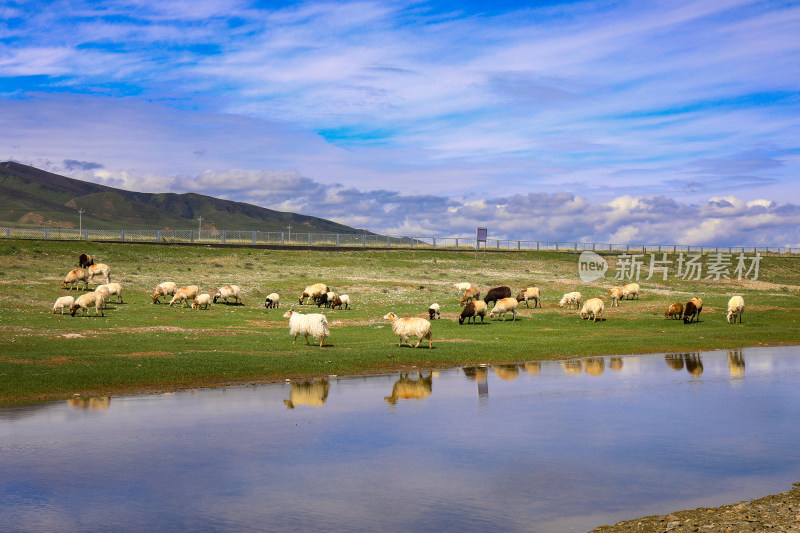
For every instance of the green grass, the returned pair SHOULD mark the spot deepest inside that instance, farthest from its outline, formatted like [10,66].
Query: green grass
[140,347]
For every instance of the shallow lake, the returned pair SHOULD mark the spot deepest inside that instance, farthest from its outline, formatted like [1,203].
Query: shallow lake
[536,447]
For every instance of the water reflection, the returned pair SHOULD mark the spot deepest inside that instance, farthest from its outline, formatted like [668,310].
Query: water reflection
[692,362]
[506,372]
[313,393]
[594,366]
[406,388]
[97,403]
[736,363]
[573,366]
[480,374]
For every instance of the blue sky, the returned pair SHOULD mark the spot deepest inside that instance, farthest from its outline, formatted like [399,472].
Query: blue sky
[587,120]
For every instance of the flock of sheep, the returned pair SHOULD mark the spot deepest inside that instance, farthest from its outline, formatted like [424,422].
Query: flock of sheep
[315,325]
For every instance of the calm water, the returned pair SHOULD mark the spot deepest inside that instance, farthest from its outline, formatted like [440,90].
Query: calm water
[547,447]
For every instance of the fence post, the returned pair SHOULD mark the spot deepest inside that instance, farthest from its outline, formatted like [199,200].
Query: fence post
[191,236]
[122,235]
[456,244]
[519,246]
[412,242]
[309,239]
[556,246]
[537,246]
[282,241]
[388,242]
[365,240]
[701,250]
[254,237]
[337,240]
[434,243]
[223,236]
[158,235]
[8,233]
[46,234]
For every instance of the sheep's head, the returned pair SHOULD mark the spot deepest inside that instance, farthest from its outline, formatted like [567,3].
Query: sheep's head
[74,308]
[391,316]
[288,314]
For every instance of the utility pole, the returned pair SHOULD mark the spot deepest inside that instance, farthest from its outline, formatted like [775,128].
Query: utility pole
[290,233]
[80,220]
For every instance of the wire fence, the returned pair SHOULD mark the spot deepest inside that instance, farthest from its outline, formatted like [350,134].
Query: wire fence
[359,240]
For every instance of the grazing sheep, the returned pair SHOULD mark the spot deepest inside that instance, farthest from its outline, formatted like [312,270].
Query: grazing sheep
[85,261]
[312,393]
[326,299]
[472,293]
[272,301]
[341,300]
[314,324]
[735,309]
[503,306]
[166,288]
[434,311]
[314,292]
[497,293]
[461,287]
[675,310]
[185,294]
[630,290]
[63,303]
[100,270]
[410,327]
[691,311]
[84,301]
[571,298]
[473,310]
[202,301]
[616,295]
[112,289]
[229,291]
[592,308]
[530,293]
[411,389]
[79,275]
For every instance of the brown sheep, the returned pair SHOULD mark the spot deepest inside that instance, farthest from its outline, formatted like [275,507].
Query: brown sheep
[85,261]
[473,293]
[473,310]
[497,293]
[675,310]
[691,311]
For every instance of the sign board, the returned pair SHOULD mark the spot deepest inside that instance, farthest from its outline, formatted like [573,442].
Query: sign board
[481,235]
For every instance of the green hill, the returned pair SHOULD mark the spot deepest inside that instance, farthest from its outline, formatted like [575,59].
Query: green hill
[31,197]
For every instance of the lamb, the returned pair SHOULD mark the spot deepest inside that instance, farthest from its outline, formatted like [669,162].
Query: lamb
[341,300]
[434,311]
[675,310]
[472,293]
[326,299]
[314,324]
[616,295]
[592,308]
[102,270]
[84,301]
[691,311]
[473,310]
[112,289]
[85,261]
[65,302]
[272,301]
[79,275]
[202,301]
[461,287]
[229,291]
[735,309]
[166,288]
[571,298]
[497,293]
[314,292]
[503,306]
[184,294]
[530,293]
[630,290]
[410,327]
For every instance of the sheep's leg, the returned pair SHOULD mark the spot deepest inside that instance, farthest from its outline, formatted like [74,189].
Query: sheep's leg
[321,341]
[295,339]
[419,340]
[307,343]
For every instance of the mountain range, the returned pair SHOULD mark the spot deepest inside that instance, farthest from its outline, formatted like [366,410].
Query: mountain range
[31,197]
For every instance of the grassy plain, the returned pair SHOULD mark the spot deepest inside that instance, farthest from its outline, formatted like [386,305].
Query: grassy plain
[138,346]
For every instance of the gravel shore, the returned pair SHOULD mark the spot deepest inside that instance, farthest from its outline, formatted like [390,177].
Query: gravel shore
[777,512]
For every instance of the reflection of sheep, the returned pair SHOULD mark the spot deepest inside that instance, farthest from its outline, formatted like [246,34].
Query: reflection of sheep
[112,289]
[84,301]
[472,293]
[592,308]
[184,295]
[473,310]
[407,389]
[272,301]
[65,302]
[594,366]
[675,310]
[506,372]
[497,293]
[229,291]
[202,301]
[691,311]
[616,295]
[166,288]
[736,363]
[314,324]
[530,293]
[410,327]
[569,299]
[630,290]
[434,311]
[314,292]
[503,306]
[735,309]
[79,275]
[313,393]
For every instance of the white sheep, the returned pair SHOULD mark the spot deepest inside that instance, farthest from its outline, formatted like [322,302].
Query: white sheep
[314,292]
[84,301]
[434,311]
[202,301]
[341,300]
[114,289]
[326,299]
[461,287]
[273,300]
[166,288]
[229,291]
[592,308]
[735,309]
[79,275]
[630,290]
[616,295]
[503,306]
[530,293]
[101,270]
[571,298]
[65,302]
[315,324]
[410,327]
[185,294]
